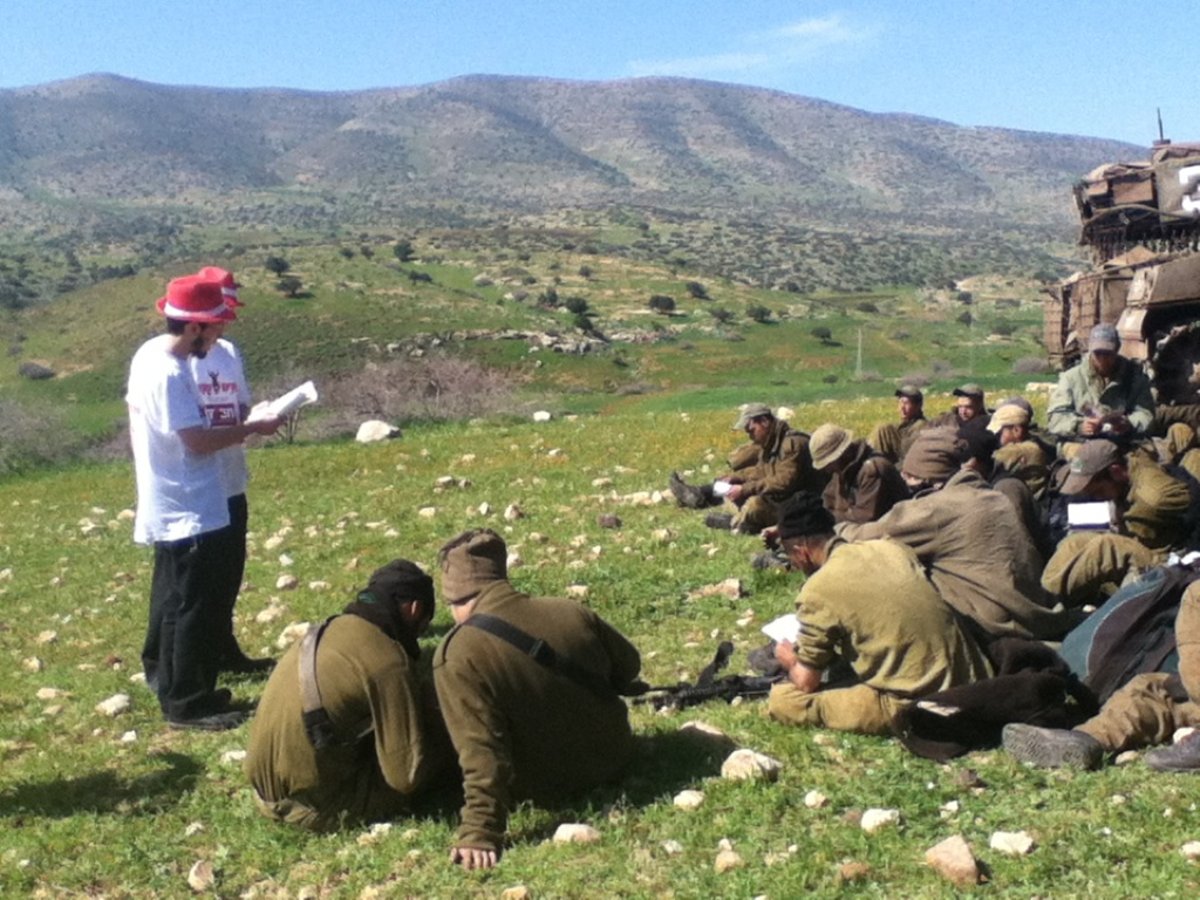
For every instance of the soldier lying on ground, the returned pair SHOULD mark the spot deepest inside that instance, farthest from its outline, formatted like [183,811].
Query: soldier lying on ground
[530,689]
[774,466]
[345,731]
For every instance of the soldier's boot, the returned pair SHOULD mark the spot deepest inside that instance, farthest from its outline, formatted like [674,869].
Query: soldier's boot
[770,559]
[1052,748]
[720,521]
[689,496]
[1182,756]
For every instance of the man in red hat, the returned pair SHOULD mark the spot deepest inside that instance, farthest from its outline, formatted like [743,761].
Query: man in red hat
[221,381]
[181,505]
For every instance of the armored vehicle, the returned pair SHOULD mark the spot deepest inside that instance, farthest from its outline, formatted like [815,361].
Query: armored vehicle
[1141,221]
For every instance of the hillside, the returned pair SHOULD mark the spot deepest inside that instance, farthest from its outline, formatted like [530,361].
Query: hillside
[770,187]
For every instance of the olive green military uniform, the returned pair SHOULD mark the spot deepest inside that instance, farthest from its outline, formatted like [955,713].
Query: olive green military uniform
[782,468]
[1150,707]
[871,604]
[1127,392]
[520,729]
[366,681]
[1088,566]
[893,441]
[865,489]
[979,555]
[1026,460]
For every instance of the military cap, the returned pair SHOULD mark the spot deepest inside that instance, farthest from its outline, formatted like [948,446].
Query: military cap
[751,411]
[470,562]
[974,391]
[1008,414]
[1104,337]
[910,391]
[1093,458]
[935,455]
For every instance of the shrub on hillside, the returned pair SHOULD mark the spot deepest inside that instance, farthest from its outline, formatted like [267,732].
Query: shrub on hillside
[661,303]
[438,388]
[31,438]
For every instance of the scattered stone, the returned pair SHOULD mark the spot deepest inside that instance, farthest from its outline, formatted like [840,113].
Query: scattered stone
[662,535]
[608,520]
[274,542]
[577,591]
[318,585]
[287,583]
[6,574]
[516,892]
[114,705]
[785,412]
[541,416]
[1011,843]
[815,800]
[374,430]
[32,664]
[554,452]
[969,778]
[200,877]
[602,482]
[52,711]
[1181,733]
[727,860]
[949,809]
[515,560]
[1191,850]
[575,833]
[374,834]
[291,634]
[512,512]
[672,847]
[427,512]
[46,637]
[689,799]
[1118,799]
[285,560]
[954,861]
[730,588]
[484,509]
[748,765]
[1126,757]
[49,693]
[852,870]
[129,737]
[269,614]
[446,481]
[193,829]
[874,820]
[232,757]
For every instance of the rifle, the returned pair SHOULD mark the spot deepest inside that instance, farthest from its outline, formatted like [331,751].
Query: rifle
[708,686]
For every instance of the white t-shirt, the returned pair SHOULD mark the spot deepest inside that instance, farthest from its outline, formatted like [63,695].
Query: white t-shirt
[179,493]
[222,385]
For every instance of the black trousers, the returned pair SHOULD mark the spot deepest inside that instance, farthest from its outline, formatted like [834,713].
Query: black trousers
[229,552]
[185,609]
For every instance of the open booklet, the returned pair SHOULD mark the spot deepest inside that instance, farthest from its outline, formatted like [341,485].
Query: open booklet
[285,405]
[785,628]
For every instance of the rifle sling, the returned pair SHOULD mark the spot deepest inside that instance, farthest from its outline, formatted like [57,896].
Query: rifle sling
[318,726]
[542,653]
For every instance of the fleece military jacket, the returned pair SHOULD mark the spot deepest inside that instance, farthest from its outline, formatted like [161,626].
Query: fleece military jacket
[365,679]
[1081,388]
[784,466]
[520,729]
[978,554]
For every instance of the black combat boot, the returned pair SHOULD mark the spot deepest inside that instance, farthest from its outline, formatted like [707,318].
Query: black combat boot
[1182,756]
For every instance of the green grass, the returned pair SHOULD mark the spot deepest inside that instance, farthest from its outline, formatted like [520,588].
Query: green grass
[85,813]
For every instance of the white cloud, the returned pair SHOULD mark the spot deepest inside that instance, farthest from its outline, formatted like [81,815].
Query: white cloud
[761,51]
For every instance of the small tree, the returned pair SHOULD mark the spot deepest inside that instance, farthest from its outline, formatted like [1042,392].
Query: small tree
[697,290]
[585,272]
[721,315]
[822,334]
[290,285]
[577,305]
[403,250]
[276,264]
[758,313]
[346,253]
[966,318]
[661,303]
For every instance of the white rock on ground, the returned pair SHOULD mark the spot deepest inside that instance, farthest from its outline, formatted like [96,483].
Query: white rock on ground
[427,512]
[287,583]
[727,860]
[714,737]
[200,877]
[1191,850]
[577,591]
[512,512]
[374,430]
[746,765]
[114,705]
[541,416]
[689,799]
[575,833]
[954,861]
[291,634]
[874,819]
[1011,843]
[516,892]
[815,800]
[671,847]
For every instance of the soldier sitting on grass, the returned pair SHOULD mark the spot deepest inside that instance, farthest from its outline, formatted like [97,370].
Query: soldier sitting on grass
[766,472]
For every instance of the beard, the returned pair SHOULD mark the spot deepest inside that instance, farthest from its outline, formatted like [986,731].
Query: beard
[198,349]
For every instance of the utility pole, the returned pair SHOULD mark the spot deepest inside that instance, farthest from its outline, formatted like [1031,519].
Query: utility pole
[858,361]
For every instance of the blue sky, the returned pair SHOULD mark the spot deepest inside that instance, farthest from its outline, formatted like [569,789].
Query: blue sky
[1015,64]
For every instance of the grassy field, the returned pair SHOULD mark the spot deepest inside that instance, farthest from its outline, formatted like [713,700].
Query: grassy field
[113,807]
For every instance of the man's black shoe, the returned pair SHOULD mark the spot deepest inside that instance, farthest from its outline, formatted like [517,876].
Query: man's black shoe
[245,665]
[687,495]
[1052,748]
[721,521]
[222,721]
[1182,756]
